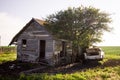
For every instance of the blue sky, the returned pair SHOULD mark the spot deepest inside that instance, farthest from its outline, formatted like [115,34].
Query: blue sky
[14,14]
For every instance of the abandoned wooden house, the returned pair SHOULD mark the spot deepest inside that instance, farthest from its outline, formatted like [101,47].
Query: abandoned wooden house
[36,44]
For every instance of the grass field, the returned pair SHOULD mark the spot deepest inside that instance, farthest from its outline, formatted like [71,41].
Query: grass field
[5,57]
[108,73]
[111,72]
[111,52]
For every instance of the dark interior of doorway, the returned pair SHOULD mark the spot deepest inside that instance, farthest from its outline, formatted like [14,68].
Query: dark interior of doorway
[42,49]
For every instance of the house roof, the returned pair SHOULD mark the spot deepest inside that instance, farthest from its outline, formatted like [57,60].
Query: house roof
[15,38]
[40,22]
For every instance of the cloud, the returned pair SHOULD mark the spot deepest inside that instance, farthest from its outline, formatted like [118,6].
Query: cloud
[9,26]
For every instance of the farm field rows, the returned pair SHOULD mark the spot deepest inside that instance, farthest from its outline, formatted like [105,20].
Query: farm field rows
[108,69]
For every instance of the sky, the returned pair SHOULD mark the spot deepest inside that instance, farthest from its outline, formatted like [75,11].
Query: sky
[15,14]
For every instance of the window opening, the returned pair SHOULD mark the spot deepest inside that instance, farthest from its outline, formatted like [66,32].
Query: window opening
[24,42]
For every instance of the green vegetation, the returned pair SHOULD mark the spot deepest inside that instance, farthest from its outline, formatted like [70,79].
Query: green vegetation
[5,57]
[7,54]
[111,52]
[84,26]
[114,50]
[97,73]
[109,73]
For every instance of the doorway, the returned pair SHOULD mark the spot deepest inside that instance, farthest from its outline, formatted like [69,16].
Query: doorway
[42,49]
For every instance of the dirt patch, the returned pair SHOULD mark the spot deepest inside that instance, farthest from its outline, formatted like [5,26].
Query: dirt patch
[15,67]
[112,63]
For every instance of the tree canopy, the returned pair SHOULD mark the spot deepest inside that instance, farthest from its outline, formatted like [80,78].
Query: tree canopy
[83,25]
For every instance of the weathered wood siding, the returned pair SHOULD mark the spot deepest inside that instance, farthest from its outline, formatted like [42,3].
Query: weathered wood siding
[49,51]
[33,34]
[30,52]
[59,56]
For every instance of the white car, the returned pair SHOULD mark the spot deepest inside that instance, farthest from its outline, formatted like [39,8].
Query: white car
[94,54]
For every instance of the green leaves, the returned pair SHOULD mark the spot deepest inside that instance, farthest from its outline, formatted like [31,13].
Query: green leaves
[83,25]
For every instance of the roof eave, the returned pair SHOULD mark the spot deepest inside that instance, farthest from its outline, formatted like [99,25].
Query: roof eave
[15,38]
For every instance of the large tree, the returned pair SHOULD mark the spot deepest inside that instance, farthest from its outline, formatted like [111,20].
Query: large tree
[83,25]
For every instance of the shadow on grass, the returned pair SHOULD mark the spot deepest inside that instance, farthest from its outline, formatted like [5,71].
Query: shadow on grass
[15,67]
[71,68]
[75,67]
